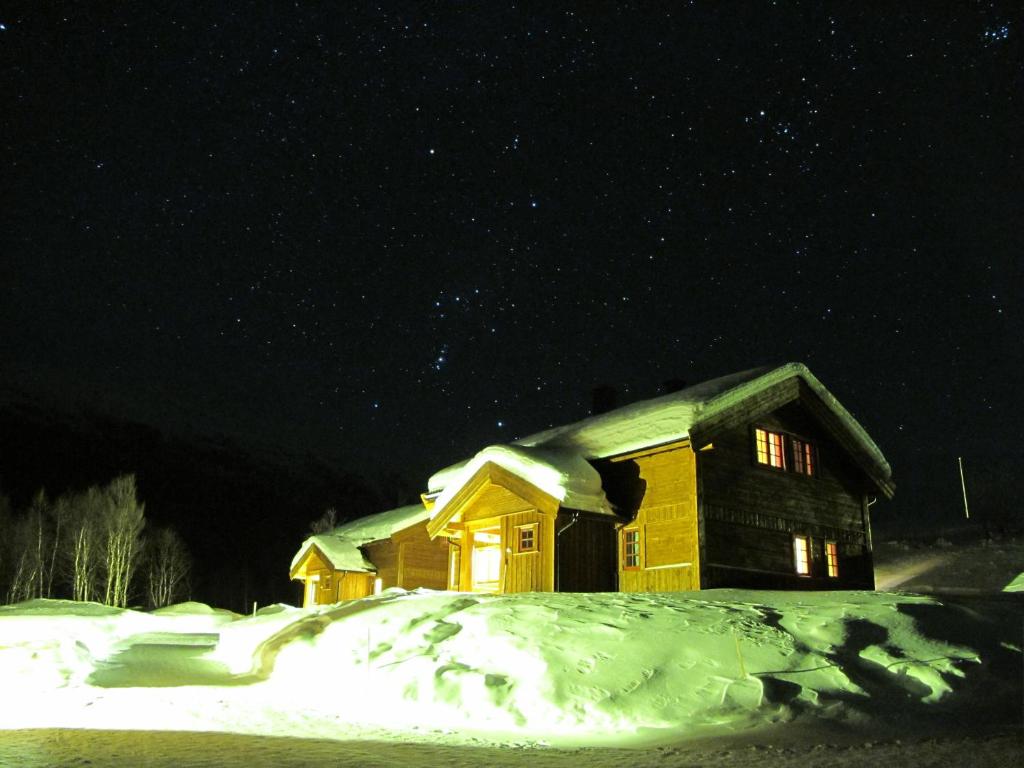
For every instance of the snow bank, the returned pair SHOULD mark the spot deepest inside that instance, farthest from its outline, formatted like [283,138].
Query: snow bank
[563,668]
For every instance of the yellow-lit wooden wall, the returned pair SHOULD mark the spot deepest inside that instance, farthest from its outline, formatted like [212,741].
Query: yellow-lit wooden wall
[500,508]
[666,521]
[421,562]
[409,559]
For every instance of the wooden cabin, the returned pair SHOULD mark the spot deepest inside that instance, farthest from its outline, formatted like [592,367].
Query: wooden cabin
[365,556]
[758,479]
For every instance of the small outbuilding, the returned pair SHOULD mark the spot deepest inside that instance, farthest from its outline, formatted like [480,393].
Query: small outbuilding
[389,549]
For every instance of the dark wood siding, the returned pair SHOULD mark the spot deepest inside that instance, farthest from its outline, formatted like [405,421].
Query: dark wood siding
[585,553]
[749,513]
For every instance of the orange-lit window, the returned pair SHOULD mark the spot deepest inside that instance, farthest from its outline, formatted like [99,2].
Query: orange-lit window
[803,457]
[526,538]
[832,558]
[802,555]
[631,548]
[769,448]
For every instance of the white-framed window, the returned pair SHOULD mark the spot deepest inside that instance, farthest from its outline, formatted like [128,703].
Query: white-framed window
[802,554]
[526,538]
[312,585]
[770,448]
[631,548]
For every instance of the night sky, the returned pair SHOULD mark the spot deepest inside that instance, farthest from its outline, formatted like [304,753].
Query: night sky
[392,235]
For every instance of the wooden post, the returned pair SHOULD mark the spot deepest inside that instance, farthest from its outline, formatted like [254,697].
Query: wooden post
[963,486]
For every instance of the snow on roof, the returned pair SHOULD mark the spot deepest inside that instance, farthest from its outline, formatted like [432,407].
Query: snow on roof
[671,417]
[341,546]
[563,474]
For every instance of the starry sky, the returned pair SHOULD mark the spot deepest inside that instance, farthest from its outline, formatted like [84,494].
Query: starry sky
[393,234]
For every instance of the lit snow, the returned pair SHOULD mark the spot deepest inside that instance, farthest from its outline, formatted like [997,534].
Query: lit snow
[540,667]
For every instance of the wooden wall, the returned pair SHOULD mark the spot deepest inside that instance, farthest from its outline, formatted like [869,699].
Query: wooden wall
[585,552]
[421,562]
[528,571]
[749,513]
[661,483]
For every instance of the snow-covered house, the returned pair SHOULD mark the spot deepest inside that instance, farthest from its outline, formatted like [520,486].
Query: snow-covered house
[389,549]
[761,478]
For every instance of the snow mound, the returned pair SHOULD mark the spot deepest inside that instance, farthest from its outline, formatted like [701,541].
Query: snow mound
[561,668]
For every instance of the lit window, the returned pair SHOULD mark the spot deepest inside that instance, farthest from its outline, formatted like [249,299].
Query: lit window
[526,540]
[803,457]
[769,449]
[832,558]
[631,548]
[802,555]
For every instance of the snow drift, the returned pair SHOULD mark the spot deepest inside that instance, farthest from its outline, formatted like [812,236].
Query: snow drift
[559,668]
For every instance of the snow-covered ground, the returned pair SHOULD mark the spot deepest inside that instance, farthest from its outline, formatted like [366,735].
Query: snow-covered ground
[435,677]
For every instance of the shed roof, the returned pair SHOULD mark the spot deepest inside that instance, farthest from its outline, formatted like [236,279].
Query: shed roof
[342,545]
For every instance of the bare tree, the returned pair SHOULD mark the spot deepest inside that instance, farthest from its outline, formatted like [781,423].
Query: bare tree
[328,521]
[121,538]
[169,565]
[7,523]
[29,550]
[84,524]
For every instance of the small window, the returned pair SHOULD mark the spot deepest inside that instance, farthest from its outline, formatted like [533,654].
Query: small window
[631,548]
[803,457]
[770,448]
[526,538]
[832,559]
[802,555]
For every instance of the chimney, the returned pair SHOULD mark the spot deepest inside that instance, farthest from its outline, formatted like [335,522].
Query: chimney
[602,399]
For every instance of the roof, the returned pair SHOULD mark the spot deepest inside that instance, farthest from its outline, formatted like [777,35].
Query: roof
[661,420]
[561,473]
[341,546]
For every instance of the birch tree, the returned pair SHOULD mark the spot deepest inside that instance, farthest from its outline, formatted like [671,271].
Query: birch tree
[29,552]
[82,556]
[121,538]
[168,568]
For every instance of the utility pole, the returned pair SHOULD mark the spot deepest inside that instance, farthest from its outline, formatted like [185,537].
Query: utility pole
[963,487]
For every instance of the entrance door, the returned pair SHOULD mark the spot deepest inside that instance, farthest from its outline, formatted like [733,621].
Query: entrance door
[486,561]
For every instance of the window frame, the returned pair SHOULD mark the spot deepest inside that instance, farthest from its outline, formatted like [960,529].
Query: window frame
[767,452]
[832,558]
[531,529]
[805,550]
[627,533]
[805,456]
[791,462]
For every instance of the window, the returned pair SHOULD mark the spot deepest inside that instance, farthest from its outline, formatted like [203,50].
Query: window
[802,555]
[803,457]
[526,538]
[832,559]
[770,448]
[782,451]
[631,548]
